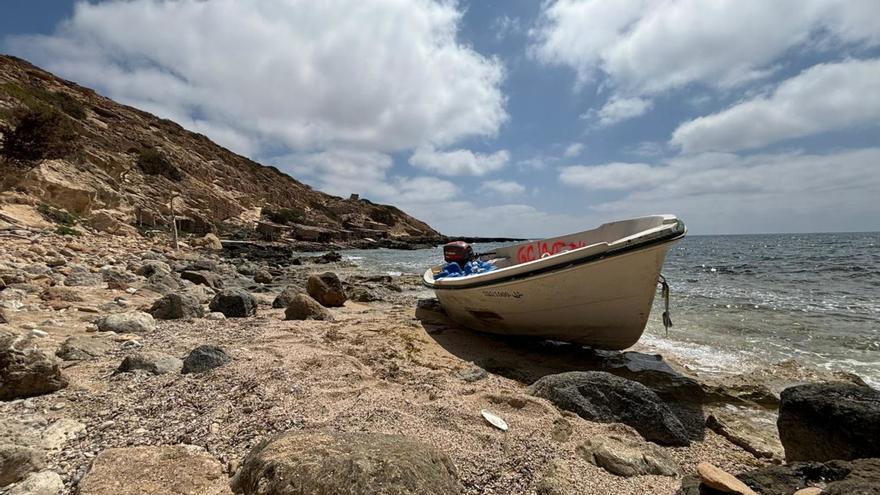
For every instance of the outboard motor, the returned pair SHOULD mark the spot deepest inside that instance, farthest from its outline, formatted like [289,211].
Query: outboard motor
[459,252]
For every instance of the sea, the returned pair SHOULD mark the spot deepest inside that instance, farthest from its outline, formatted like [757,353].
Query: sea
[739,302]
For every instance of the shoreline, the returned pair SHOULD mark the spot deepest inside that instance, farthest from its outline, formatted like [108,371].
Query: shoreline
[389,362]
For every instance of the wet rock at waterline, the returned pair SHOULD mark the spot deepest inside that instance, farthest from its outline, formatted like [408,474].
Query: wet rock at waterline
[234,303]
[302,462]
[603,397]
[327,289]
[823,421]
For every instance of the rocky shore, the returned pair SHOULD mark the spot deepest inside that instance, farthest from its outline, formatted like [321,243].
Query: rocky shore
[129,367]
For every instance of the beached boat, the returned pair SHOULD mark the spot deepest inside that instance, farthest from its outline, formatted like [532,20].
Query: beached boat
[593,288]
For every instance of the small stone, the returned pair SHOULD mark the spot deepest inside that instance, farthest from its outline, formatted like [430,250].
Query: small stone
[176,306]
[215,315]
[204,358]
[263,277]
[327,289]
[155,363]
[234,303]
[625,456]
[303,307]
[203,277]
[287,295]
[83,348]
[38,333]
[720,480]
[810,490]
[135,321]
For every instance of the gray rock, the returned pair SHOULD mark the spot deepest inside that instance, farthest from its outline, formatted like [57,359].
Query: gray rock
[204,358]
[824,421]
[364,294]
[625,456]
[753,430]
[303,307]
[26,371]
[202,265]
[603,397]
[215,315]
[114,274]
[861,476]
[234,303]
[3,318]
[327,289]
[59,433]
[149,268]
[41,483]
[80,276]
[83,348]
[203,277]
[58,293]
[163,283]
[156,363]
[134,322]
[263,277]
[17,461]
[176,306]
[364,463]
[287,295]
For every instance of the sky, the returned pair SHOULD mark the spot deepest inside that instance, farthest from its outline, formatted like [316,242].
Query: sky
[510,117]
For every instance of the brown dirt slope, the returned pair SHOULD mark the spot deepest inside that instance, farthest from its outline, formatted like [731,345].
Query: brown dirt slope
[69,147]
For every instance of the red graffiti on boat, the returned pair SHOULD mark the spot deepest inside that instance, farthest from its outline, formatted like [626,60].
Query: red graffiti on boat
[531,252]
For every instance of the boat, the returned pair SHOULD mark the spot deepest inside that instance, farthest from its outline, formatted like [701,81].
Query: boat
[593,288]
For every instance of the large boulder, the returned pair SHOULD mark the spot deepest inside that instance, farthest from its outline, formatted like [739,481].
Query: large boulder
[17,461]
[303,307]
[824,421]
[133,322]
[346,463]
[861,476]
[160,470]
[155,363]
[202,277]
[26,371]
[162,282]
[81,348]
[177,306]
[605,398]
[327,289]
[626,456]
[204,358]
[287,295]
[234,303]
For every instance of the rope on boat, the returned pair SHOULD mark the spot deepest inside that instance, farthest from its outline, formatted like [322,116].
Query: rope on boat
[664,293]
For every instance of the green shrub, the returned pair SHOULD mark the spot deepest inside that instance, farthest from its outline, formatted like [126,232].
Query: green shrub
[35,97]
[56,215]
[65,230]
[38,134]
[284,215]
[154,162]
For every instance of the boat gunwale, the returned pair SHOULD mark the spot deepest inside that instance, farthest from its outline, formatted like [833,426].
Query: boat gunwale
[673,236]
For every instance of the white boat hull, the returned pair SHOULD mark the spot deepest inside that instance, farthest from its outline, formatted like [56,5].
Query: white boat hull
[599,300]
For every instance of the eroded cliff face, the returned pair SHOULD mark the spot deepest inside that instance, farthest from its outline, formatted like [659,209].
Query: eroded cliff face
[68,147]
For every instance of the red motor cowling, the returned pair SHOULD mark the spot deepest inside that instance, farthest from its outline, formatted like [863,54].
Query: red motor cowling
[459,252]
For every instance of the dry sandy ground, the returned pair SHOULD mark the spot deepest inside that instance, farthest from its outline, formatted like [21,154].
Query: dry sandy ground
[377,368]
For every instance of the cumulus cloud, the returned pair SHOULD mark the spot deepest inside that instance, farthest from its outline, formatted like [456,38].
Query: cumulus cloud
[573,150]
[618,109]
[342,171]
[824,98]
[503,187]
[726,192]
[645,47]
[384,75]
[458,162]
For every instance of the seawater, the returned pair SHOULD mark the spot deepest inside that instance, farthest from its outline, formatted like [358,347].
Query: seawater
[743,301]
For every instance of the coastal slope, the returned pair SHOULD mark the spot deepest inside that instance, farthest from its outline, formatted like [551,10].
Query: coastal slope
[68,147]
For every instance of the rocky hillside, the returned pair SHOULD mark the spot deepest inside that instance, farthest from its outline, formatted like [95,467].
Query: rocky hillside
[116,167]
